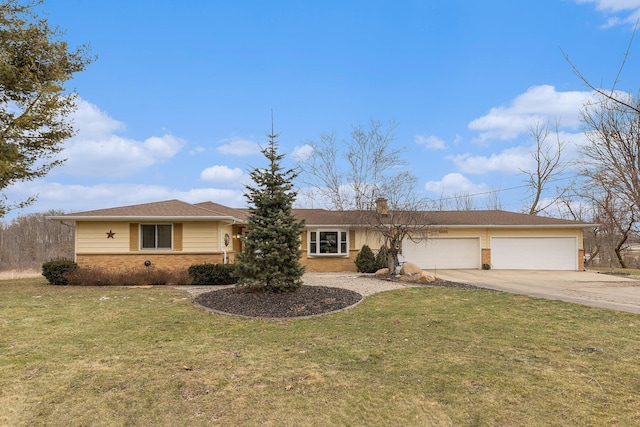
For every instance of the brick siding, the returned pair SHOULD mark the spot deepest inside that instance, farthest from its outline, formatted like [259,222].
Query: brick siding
[123,262]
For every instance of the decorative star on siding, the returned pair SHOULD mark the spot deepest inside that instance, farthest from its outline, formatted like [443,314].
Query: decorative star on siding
[110,234]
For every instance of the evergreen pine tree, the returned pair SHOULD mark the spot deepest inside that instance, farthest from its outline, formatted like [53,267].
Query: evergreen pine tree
[270,259]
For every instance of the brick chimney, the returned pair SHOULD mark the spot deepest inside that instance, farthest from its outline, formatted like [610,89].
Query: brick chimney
[381,206]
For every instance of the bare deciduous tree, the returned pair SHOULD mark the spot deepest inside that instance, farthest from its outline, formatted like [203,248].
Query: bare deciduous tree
[549,165]
[353,175]
[29,240]
[464,201]
[370,161]
[493,201]
[616,219]
[610,94]
[612,157]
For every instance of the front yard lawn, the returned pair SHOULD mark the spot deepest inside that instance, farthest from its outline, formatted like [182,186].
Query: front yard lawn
[421,356]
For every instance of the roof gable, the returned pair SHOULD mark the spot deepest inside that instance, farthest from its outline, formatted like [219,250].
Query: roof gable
[165,209]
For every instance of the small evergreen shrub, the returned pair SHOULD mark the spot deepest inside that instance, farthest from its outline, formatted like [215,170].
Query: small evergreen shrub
[56,271]
[366,261]
[213,274]
[382,258]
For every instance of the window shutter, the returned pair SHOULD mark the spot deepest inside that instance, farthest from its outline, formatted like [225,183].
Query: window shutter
[177,236]
[134,237]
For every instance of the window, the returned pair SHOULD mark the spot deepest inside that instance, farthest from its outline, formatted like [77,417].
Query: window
[156,236]
[329,242]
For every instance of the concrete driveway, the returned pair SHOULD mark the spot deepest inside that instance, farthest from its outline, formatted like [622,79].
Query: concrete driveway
[582,287]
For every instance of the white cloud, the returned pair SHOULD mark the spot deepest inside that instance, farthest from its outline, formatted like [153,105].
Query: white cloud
[91,122]
[538,102]
[115,156]
[97,151]
[236,146]
[301,154]
[510,161]
[75,197]
[222,175]
[431,142]
[454,183]
[613,5]
[631,7]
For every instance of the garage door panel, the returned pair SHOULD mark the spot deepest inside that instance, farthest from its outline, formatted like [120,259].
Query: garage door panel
[534,253]
[443,253]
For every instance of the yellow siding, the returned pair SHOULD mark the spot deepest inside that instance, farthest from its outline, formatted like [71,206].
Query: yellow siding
[200,237]
[226,229]
[367,236]
[374,239]
[542,232]
[91,237]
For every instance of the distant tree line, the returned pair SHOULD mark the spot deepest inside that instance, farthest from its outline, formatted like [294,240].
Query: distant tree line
[30,240]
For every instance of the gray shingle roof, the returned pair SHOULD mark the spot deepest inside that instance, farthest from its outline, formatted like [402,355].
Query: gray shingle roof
[173,209]
[176,209]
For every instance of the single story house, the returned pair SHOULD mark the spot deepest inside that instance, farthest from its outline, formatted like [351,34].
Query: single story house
[174,234]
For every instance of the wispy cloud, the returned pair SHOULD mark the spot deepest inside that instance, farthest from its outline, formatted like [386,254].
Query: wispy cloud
[236,146]
[431,142]
[510,161]
[627,11]
[302,153]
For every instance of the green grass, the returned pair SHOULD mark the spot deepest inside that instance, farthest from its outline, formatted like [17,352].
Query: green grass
[72,356]
[630,271]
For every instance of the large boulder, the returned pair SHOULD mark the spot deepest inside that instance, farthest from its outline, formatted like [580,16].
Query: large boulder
[425,277]
[409,269]
[382,272]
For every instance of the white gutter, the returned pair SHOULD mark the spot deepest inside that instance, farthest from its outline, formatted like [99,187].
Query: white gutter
[144,218]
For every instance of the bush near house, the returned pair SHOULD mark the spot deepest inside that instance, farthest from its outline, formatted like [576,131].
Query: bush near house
[366,261]
[84,276]
[213,274]
[56,271]
[382,258]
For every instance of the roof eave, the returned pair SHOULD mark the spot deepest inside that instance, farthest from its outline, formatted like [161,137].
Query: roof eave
[152,218]
[515,225]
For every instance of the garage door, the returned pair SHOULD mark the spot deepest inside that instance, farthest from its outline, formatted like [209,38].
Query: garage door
[534,253]
[443,253]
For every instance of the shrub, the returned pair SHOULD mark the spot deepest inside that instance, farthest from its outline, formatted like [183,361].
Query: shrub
[366,261]
[213,274]
[56,271]
[98,277]
[382,258]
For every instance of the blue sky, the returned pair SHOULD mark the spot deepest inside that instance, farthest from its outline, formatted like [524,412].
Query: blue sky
[182,93]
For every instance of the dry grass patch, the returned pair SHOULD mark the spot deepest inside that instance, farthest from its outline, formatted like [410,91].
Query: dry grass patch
[420,356]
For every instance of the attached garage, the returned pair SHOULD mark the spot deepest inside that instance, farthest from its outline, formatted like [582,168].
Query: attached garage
[443,253]
[534,253]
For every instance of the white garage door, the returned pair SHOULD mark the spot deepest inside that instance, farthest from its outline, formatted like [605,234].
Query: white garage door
[534,253]
[443,253]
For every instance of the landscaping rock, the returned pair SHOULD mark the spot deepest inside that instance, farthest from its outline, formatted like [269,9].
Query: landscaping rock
[410,269]
[425,277]
[382,272]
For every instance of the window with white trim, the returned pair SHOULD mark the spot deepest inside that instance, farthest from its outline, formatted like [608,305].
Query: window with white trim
[329,242]
[155,236]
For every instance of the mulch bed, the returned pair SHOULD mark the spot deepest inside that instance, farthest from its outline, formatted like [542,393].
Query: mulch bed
[306,301]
